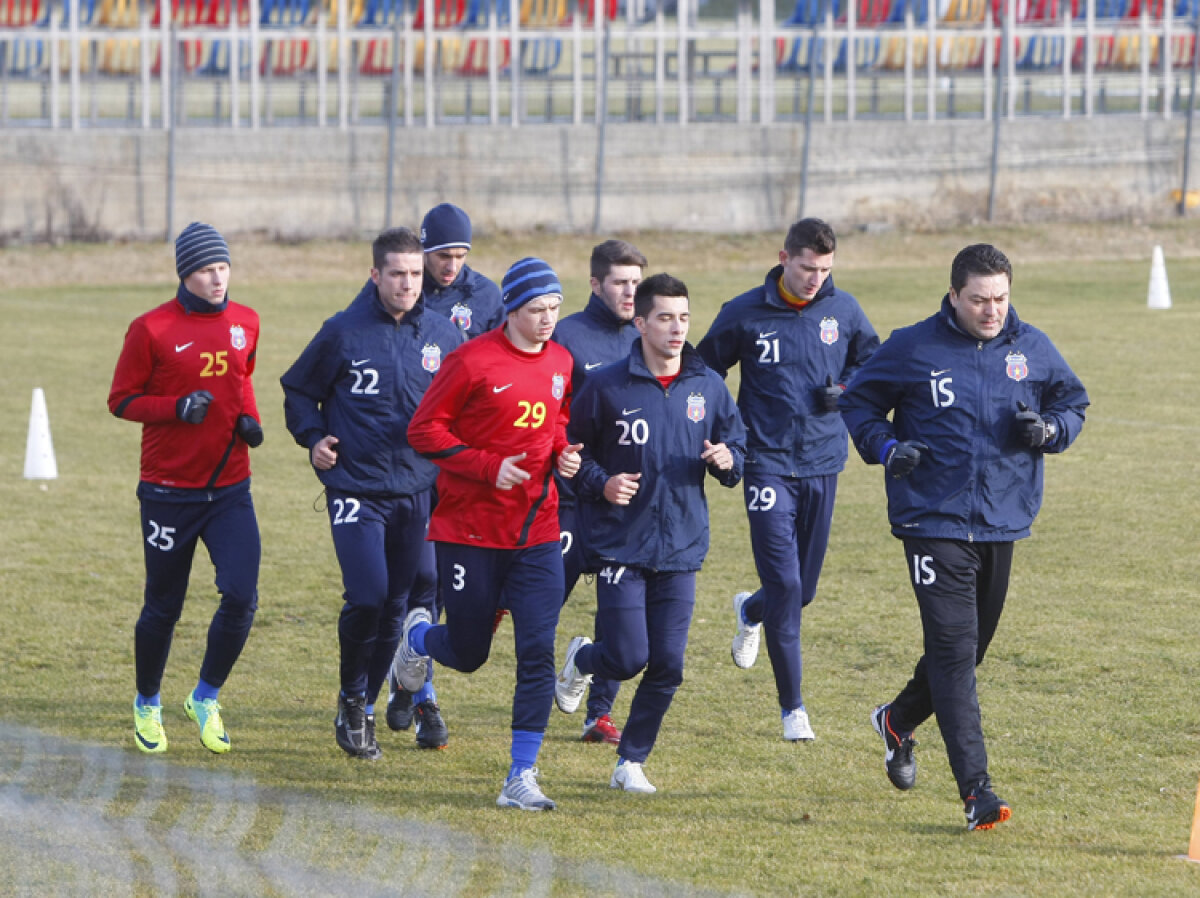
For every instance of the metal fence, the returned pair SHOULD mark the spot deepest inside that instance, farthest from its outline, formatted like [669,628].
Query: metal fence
[425,63]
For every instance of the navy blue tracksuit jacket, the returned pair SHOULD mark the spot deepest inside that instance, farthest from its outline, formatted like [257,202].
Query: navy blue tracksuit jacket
[624,415]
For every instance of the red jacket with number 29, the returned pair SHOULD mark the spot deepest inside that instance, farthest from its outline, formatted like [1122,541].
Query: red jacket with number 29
[488,402]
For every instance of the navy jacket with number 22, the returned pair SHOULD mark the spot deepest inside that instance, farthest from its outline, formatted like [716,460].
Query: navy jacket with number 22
[629,424]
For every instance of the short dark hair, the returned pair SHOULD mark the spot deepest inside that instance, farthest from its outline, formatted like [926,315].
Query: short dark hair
[656,285]
[978,259]
[810,233]
[614,252]
[394,240]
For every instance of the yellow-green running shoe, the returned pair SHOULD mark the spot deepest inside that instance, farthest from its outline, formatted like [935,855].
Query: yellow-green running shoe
[148,730]
[207,715]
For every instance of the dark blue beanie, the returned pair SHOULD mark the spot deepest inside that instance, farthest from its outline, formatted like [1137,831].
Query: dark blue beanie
[198,246]
[444,227]
[527,280]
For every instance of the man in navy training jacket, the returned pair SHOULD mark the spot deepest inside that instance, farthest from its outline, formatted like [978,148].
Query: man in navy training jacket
[976,398]
[599,334]
[798,339]
[451,287]
[348,401]
[652,426]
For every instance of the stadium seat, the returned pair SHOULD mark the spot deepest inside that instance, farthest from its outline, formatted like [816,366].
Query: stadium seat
[23,57]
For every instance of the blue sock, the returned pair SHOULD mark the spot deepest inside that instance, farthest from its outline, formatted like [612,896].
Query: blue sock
[370,709]
[416,637]
[525,747]
[204,691]
[154,701]
[783,713]
[425,694]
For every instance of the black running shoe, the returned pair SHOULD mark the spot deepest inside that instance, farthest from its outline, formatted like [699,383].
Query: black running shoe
[350,725]
[431,729]
[901,766]
[373,751]
[399,706]
[984,808]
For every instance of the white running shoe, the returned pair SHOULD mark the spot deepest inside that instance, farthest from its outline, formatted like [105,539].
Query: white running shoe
[570,685]
[796,727]
[745,641]
[408,667]
[523,792]
[630,777]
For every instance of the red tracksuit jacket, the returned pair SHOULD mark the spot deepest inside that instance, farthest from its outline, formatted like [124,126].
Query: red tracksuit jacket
[490,401]
[169,353]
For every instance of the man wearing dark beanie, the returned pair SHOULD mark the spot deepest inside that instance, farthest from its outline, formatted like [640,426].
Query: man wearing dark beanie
[494,421]
[184,374]
[451,287]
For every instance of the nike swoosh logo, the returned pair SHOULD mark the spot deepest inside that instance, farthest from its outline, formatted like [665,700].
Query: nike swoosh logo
[937,373]
[630,411]
[590,365]
[354,363]
[763,336]
[179,348]
[501,389]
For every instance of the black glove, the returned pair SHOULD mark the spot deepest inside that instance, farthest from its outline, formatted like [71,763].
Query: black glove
[903,457]
[193,407]
[1033,430]
[250,431]
[827,396]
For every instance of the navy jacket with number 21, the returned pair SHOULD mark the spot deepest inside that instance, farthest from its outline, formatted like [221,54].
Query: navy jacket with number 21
[629,424]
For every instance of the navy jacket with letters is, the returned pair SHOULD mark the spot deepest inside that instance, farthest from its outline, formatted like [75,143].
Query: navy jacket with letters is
[360,379]
[958,395]
[595,337]
[629,424]
[785,354]
[472,301]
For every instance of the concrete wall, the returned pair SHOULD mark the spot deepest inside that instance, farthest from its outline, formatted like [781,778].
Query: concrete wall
[300,183]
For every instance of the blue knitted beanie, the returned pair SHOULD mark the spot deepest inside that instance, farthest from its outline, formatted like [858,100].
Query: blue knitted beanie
[198,246]
[445,227]
[527,280]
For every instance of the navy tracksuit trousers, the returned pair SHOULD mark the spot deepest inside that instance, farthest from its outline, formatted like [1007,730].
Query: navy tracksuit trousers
[645,616]
[475,583]
[790,518]
[960,588]
[603,692]
[386,564]
[170,530]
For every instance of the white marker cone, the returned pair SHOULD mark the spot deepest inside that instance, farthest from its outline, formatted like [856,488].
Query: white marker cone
[39,451]
[1160,293]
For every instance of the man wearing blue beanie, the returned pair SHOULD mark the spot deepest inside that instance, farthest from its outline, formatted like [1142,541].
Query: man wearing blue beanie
[185,375]
[451,287]
[494,421]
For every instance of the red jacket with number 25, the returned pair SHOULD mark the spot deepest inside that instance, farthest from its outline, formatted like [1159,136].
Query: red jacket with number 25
[490,401]
[168,353]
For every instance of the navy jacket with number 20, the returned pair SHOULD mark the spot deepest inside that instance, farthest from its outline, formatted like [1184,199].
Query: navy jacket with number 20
[629,424]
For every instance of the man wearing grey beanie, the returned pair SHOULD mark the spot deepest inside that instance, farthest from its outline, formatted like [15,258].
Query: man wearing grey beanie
[185,375]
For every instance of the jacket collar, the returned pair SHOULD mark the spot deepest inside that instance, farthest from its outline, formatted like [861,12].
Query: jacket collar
[771,284]
[368,299]
[597,309]
[690,361]
[196,305]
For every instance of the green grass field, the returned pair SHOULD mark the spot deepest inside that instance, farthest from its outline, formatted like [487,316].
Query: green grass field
[1089,693]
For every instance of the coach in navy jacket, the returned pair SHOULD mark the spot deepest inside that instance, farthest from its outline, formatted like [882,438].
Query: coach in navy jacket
[960,410]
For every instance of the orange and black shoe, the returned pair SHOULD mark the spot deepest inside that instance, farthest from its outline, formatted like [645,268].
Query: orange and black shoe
[984,807]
